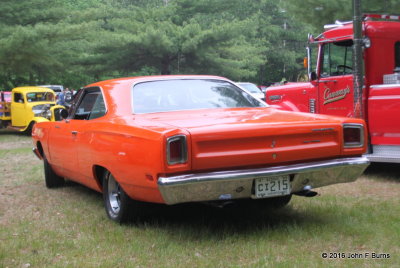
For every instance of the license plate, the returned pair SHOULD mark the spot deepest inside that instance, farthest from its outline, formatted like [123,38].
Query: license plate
[272,186]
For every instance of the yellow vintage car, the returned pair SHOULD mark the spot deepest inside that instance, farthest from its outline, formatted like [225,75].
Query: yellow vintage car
[29,105]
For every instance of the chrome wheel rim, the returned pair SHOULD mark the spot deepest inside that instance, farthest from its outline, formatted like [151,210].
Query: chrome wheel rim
[114,194]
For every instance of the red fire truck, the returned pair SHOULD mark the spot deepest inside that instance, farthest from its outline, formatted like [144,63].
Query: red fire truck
[330,87]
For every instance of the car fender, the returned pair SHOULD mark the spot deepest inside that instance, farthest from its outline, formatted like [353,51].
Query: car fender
[53,109]
[34,121]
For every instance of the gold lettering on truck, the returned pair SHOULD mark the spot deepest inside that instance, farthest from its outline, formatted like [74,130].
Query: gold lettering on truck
[335,95]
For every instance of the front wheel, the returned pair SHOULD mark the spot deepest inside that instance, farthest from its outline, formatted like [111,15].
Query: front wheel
[119,206]
[28,130]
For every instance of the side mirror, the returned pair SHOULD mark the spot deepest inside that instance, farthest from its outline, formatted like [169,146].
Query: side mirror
[311,38]
[63,113]
[312,76]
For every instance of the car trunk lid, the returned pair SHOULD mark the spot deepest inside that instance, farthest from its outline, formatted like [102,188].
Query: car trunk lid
[252,137]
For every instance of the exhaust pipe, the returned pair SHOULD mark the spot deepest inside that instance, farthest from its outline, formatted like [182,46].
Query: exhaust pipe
[306,192]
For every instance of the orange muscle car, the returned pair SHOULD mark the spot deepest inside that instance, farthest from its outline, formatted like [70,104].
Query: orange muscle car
[177,139]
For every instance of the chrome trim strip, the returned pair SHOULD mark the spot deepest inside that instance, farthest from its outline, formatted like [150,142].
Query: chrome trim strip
[385,86]
[388,97]
[312,106]
[212,185]
[324,129]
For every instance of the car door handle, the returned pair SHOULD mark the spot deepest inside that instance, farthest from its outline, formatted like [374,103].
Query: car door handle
[74,132]
[57,126]
[328,81]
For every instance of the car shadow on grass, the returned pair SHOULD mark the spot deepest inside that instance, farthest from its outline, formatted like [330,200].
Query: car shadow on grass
[384,171]
[194,220]
[9,132]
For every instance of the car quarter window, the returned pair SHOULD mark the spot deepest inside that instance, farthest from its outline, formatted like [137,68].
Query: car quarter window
[189,94]
[91,105]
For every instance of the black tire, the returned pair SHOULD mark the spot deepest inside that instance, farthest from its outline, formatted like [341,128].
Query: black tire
[119,206]
[28,130]
[52,179]
[274,202]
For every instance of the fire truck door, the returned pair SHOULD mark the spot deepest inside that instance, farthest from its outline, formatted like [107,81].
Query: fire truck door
[336,95]
[335,87]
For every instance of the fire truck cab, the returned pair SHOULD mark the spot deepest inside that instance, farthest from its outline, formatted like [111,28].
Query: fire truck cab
[330,87]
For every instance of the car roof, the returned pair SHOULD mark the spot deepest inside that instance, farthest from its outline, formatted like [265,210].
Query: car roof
[156,78]
[32,88]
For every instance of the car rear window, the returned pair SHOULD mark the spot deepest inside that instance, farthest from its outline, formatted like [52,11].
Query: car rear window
[189,94]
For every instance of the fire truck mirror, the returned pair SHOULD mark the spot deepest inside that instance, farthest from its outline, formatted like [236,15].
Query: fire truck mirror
[313,76]
[310,38]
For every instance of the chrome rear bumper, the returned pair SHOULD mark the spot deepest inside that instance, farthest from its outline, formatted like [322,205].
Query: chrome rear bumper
[235,184]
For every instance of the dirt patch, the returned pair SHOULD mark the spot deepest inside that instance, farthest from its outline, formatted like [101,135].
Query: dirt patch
[15,144]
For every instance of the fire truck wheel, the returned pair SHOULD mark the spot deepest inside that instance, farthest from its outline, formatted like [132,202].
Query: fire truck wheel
[52,179]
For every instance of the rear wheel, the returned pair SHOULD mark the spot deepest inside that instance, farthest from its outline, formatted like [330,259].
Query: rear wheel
[52,179]
[119,206]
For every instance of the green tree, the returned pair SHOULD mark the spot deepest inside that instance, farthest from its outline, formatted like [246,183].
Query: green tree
[38,42]
[317,13]
[171,41]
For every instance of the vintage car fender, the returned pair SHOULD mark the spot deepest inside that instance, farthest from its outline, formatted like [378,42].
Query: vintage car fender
[53,111]
[33,121]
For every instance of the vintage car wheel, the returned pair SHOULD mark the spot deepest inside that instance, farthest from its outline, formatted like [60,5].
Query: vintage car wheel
[119,206]
[28,130]
[52,179]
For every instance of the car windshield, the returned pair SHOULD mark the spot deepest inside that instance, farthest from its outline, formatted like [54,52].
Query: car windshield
[189,94]
[39,96]
[250,87]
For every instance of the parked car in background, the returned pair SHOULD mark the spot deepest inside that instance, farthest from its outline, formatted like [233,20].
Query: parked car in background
[253,89]
[28,106]
[263,88]
[56,88]
[178,139]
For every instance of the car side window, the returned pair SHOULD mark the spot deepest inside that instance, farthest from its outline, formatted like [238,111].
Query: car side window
[99,108]
[18,97]
[92,105]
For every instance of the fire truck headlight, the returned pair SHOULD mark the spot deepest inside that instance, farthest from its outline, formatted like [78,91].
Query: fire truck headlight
[366,42]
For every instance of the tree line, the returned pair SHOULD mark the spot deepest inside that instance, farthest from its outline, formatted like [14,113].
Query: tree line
[76,42]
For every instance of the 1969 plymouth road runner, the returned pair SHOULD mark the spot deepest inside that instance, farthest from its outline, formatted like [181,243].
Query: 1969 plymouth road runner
[177,139]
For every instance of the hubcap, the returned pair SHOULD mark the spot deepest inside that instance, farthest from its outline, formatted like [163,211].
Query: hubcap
[114,194]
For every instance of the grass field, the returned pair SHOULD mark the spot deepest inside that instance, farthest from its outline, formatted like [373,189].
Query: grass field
[68,227]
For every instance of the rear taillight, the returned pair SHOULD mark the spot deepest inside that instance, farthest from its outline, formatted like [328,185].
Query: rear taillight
[353,135]
[176,150]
